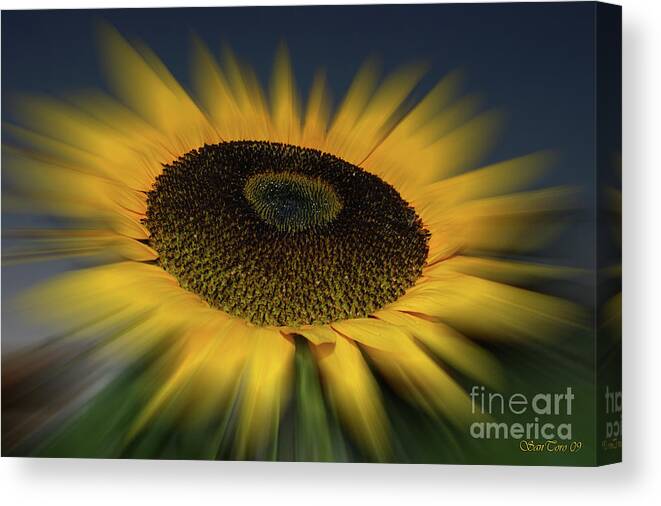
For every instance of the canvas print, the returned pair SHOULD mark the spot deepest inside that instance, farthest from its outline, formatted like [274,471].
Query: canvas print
[338,234]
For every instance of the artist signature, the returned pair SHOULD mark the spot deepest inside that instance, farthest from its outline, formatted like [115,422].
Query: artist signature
[550,446]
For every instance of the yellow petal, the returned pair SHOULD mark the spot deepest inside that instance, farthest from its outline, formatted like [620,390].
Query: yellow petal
[74,138]
[265,389]
[157,95]
[285,106]
[351,108]
[365,118]
[496,179]
[516,222]
[249,98]
[486,308]
[78,297]
[505,271]
[449,345]
[130,227]
[418,378]
[318,334]
[217,381]
[317,114]
[134,250]
[356,397]
[374,333]
[174,381]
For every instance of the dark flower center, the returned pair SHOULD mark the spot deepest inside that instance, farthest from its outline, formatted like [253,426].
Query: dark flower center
[292,202]
[282,235]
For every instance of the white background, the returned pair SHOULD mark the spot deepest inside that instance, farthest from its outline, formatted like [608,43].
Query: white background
[636,481]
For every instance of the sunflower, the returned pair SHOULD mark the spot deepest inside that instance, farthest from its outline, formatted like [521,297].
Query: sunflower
[232,229]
